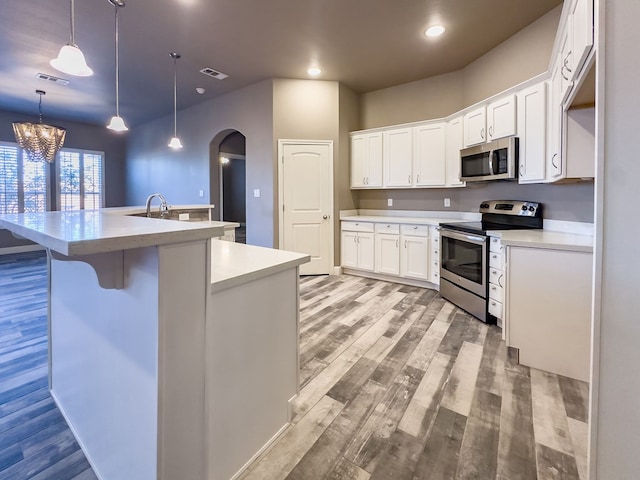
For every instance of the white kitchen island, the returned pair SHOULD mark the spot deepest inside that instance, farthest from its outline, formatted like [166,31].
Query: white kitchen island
[171,355]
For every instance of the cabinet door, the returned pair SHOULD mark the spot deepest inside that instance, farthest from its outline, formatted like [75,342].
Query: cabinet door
[365,251]
[374,157]
[554,123]
[582,35]
[501,118]
[397,157]
[566,75]
[387,254]
[429,155]
[474,127]
[349,249]
[454,145]
[414,257]
[359,161]
[532,128]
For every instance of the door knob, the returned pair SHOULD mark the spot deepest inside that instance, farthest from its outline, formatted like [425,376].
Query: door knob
[324,217]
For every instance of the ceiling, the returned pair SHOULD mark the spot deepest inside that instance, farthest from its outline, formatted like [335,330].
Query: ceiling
[365,44]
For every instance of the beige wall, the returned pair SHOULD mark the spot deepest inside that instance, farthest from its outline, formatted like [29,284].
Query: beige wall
[433,97]
[519,58]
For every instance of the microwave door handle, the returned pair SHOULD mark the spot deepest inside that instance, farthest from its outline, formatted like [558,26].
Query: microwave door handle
[491,162]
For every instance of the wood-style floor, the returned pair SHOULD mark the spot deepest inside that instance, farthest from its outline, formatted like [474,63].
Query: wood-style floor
[397,383]
[35,441]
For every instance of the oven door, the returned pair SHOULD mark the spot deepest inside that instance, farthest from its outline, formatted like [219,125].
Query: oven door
[464,260]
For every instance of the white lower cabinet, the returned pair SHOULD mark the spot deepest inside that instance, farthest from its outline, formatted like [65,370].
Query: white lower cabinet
[496,280]
[387,249]
[414,251]
[357,249]
[398,250]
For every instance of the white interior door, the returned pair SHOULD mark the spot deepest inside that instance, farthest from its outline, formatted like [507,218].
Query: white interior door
[306,203]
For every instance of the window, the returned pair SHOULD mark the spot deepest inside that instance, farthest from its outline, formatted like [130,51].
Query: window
[25,186]
[23,183]
[80,180]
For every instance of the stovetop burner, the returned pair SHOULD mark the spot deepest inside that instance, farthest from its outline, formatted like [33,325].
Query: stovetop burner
[502,215]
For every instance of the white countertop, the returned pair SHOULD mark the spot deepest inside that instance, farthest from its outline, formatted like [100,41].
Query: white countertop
[235,263]
[407,220]
[86,232]
[545,239]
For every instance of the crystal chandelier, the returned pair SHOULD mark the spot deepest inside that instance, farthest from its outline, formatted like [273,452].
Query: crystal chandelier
[40,141]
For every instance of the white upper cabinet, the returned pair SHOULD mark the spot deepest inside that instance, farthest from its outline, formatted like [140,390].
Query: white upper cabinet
[501,118]
[366,160]
[398,157]
[581,20]
[454,145]
[532,127]
[429,155]
[475,123]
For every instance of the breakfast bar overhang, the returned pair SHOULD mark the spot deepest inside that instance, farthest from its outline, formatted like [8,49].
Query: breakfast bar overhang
[172,354]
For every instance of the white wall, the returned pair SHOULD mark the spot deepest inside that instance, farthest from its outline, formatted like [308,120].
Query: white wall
[618,279]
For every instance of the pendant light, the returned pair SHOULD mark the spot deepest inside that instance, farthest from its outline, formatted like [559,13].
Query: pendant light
[175,142]
[40,141]
[71,60]
[117,123]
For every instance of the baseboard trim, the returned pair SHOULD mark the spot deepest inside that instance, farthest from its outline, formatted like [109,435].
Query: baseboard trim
[20,249]
[75,435]
[262,450]
[391,278]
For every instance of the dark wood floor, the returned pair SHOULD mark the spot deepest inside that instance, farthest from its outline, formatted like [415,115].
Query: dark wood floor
[398,384]
[35,442]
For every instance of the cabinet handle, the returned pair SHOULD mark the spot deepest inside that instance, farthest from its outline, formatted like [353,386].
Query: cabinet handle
[552,162]
[418,178]
[415,228]
[490,130]
[405,244]
[482,134]
[562,73]
[500,281]
[355,239]
[409,179]
[566,61]
[397,244]
[521,169]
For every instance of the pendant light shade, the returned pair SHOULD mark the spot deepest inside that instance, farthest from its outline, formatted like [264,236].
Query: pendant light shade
[117,122]
[40,141]
[175,142]
[70,59]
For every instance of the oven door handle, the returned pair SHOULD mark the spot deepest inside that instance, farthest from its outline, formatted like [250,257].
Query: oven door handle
[461,236]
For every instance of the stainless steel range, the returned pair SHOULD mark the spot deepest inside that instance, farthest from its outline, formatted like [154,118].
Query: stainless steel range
[464,252]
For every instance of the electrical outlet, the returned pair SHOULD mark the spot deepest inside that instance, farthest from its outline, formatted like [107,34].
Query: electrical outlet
[256,193]
[201,193]
[447,202]
[389,202]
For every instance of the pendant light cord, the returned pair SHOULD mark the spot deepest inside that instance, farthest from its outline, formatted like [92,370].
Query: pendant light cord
[40,106]
[175,97]
[117,68]
[73,23]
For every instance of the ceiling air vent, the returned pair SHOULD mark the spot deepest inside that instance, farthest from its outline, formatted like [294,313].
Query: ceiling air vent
[214,73]
[51,78]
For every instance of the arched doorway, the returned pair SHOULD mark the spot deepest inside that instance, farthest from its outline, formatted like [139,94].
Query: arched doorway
[227,164]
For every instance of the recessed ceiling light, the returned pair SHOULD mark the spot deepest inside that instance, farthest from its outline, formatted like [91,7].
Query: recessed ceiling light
[434,31]
[314,71]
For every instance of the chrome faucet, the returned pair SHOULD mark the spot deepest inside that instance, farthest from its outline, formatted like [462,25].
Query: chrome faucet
[164,207]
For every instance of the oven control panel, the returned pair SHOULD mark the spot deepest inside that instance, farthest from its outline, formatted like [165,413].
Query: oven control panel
[512,207]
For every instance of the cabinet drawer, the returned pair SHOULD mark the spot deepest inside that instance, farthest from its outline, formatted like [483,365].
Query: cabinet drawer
[356,226]
[495,260]
[495,308]
[415,230]
[388,228]
[495,244]
[496,293]
[496,276]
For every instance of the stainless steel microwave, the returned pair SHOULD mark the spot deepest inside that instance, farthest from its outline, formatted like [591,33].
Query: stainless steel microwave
[495,160]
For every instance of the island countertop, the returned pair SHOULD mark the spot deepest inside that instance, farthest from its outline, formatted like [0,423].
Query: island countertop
[88,232]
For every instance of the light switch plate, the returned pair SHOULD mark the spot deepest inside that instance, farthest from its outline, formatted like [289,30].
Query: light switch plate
[256,192]
[201,193]
[183,216]
[447,202]
[389,202]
